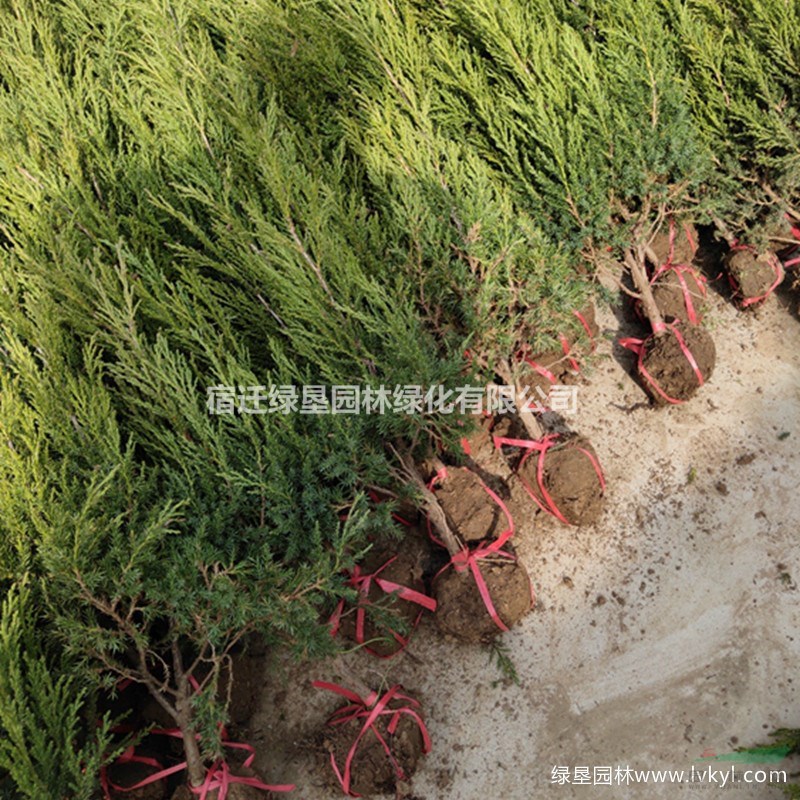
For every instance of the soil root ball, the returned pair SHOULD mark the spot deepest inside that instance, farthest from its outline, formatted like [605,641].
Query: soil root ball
[372,771]
[470,509]
[676,363]
[676,244]
[680,294]
[571,479]
[753,276]
[461,611]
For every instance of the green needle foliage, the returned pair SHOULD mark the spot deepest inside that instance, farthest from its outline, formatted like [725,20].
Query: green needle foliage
[482,270]
[198,196]
[742,62]
[585,113]
[153,249]
[49,747]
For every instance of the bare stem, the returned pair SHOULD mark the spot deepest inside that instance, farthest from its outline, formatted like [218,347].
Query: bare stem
[527,417]
[434,510]
[635,263]
[194,761]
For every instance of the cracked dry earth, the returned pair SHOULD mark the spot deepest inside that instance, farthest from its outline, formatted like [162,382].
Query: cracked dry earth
[667,630]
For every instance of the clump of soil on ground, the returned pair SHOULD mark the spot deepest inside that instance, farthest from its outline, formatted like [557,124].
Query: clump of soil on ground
[670,297]
[461,611]
[751,274]
[669,368]
[570,479]
[472,513]
[372,771]
[386,613]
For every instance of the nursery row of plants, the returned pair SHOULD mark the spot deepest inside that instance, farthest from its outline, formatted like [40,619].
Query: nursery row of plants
[199,193]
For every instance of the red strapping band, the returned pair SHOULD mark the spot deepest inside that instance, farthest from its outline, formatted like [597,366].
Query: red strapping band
[638,346]
[792,249]
[681,270]
[542,446]
[363,582]
[566,348]
[369,709]
[586,327]
[467,559]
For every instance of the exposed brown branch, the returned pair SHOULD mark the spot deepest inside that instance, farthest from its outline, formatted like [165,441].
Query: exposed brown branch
[526,416]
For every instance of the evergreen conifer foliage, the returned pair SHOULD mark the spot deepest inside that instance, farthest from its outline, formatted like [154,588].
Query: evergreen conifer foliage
[162,535]
[741,65]
[47,748]
[482,266]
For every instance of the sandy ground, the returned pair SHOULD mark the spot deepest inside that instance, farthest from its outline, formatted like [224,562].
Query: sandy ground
[668,629]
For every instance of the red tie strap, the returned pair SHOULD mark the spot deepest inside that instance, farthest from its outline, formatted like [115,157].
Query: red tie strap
[541,447]
[218,776]
[362,582]
[566,348]
[469,559]
[524,355]
[681,270]
[639,347]
[588,330]
[543,371]
[370,709]
[792,249]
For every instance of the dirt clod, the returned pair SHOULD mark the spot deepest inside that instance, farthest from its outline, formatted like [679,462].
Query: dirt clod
[461,611]
[570,479]
[683,249]
[669,368]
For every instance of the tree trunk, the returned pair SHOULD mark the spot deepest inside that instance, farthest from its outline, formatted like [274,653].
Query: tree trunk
[435,512]
[635,263]
[526,416]
[195,767]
